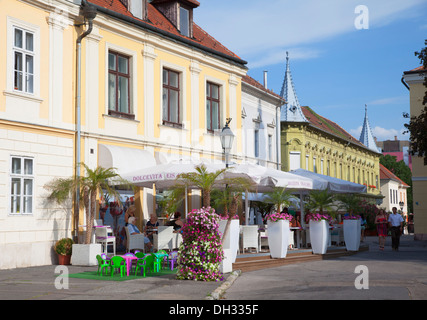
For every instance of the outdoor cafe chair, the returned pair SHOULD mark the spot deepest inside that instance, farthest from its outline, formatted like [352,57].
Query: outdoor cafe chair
[140,255]
[157,261]
[118,263]
[102,264]
[250,237]
[101,236]
[145,263]
[164,238]
[134,241]
[172,259]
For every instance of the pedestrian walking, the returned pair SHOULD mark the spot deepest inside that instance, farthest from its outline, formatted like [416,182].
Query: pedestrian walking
[381,222]
[396,224]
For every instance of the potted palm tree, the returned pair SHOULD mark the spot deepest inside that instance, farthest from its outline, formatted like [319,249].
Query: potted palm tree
[278,223]
[229,225]
[89,187]
[319,222]
[351,222]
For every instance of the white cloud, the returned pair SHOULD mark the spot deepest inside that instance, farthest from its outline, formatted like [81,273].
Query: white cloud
[390,100]
[278,56]
[381,134]
[255,27]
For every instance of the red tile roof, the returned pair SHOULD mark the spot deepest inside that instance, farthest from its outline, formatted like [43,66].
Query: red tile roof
[256,84]
[418,69]
[159,21]
[328,126]
[386,174]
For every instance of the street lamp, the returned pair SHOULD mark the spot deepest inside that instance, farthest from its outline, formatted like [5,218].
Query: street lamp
[401,204]
[227,138]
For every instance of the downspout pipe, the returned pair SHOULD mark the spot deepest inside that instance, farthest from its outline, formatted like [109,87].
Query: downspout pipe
[89,13]
[404,83]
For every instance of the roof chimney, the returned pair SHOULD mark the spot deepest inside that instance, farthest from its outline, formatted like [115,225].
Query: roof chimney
[265,79]
[395,138]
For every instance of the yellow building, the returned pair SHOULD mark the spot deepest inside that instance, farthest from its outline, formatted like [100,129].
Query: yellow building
[415,78]
[155,88]
[125,84]
[312,142]
[36,127]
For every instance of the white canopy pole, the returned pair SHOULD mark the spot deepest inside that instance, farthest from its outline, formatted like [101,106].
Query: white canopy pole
[186,202]
[246,207]
[301,196]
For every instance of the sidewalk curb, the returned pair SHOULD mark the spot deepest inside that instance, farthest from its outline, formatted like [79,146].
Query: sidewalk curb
[218,293]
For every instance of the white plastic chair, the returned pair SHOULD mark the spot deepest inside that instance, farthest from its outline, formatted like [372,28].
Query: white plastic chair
[134,241]
[250,237]
[101,236]
[176,240]
[291,242]
[163,238]
[263,238]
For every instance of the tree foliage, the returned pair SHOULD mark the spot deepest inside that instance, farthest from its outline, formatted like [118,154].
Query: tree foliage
[88,186]
[417,126]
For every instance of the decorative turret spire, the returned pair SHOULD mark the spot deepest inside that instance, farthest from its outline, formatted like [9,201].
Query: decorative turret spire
[291,112]
[366,136]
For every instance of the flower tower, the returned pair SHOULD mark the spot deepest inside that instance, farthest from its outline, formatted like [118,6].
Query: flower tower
[200,252]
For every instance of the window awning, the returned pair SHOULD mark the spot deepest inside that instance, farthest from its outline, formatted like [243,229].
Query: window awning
[124,159]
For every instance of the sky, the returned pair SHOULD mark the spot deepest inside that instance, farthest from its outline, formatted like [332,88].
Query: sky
[343,53]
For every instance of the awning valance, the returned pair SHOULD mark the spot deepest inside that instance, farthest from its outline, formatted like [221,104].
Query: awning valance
[124,159]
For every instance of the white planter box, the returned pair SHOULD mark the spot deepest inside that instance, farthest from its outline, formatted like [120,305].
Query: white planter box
[319,236]
[85,254]
[232,240]
[278,238]
[351,229]
[226,265]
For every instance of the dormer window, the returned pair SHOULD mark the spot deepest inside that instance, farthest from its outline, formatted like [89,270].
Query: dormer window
[184,21]
[179,13]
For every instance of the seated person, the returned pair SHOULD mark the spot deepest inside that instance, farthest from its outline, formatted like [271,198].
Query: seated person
[176,222]
[295,222]
[133,229]
[151,224]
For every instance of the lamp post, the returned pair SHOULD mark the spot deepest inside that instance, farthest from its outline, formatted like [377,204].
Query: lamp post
[227,138]
[401,205]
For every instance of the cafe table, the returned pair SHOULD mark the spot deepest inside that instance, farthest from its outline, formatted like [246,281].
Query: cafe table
[128,259]
[298,231]
[159,256]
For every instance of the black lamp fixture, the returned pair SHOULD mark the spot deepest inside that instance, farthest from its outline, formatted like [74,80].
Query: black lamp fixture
[227,138]
[401,205]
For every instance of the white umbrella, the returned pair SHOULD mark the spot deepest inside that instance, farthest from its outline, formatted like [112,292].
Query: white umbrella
[164,176]
[269,178]
[335,185]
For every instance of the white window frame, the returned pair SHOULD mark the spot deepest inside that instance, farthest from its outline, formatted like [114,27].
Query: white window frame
[292,155]
[22,177]
[256,143]
[270,147]
[184,22]
[12,24]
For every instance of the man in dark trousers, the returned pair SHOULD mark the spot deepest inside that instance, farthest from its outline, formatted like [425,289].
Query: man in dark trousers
[395,221]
